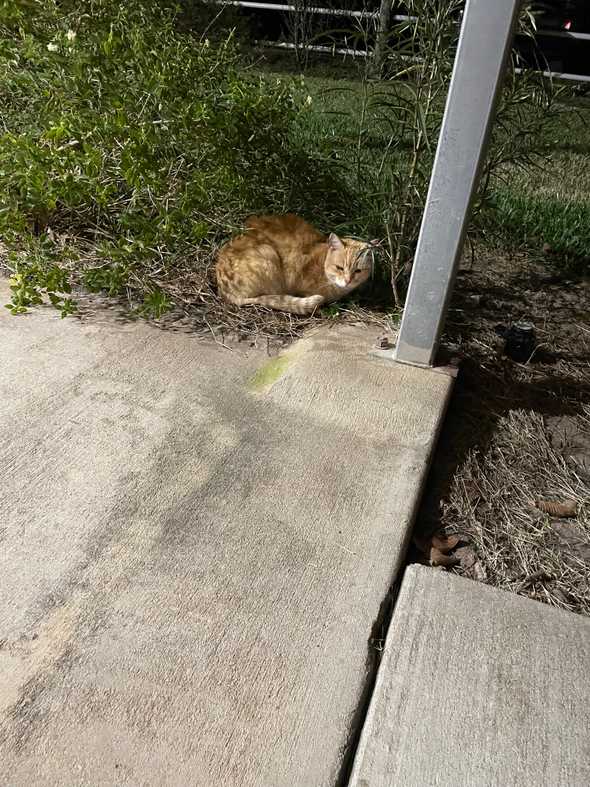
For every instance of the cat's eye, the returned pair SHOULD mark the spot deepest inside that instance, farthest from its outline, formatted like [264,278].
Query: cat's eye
[339,268]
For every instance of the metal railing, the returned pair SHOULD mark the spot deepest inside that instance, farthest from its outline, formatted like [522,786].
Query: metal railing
[309,10]
[339,50]
[322,48]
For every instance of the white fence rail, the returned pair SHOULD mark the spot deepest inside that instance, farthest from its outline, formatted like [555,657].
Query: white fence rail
[339,50]
[309,10]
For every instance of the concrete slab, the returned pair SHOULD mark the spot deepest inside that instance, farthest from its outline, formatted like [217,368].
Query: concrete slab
[196,544]
[477,687]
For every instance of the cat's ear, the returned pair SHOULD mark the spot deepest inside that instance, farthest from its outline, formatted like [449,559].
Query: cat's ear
[334,242]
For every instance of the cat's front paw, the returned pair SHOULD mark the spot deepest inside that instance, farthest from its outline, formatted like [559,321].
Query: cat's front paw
[314,301]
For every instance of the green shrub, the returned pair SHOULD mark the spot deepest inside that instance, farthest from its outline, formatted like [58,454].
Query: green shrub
[135,137]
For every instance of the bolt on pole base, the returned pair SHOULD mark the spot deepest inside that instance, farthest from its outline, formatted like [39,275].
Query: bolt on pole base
[484,43]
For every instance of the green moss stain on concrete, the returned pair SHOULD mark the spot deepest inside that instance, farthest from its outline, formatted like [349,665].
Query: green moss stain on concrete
[270,372]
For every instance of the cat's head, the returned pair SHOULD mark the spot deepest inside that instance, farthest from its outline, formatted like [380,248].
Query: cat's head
[349,262]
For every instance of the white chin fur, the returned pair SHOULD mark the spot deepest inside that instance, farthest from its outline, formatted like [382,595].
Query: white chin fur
[338,282]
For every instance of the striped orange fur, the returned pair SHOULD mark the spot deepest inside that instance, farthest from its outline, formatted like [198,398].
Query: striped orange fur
[284,263]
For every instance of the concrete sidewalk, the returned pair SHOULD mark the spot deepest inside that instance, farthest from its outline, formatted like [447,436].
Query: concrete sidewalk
[477,687]
[196,546]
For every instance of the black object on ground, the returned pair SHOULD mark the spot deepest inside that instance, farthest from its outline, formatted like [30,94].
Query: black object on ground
[520,340]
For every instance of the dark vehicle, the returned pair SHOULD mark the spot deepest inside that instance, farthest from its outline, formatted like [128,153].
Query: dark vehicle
[568,15]
[563,38]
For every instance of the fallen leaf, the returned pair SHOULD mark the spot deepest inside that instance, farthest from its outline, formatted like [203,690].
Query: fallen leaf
[438,558]
[444,543]
[537,576]
[556,508]
[470,565]
[436,549]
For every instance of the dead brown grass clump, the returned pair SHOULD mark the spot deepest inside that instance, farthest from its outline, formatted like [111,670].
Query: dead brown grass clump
[530,464]
[194,294]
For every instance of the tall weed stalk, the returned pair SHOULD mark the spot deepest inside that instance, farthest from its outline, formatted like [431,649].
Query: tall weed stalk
[403,109]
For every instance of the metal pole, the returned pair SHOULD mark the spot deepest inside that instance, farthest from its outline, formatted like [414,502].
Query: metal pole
[480,62]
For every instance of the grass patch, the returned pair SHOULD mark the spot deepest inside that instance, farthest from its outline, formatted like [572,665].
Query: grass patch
[522,219]
[548,203]
[540,195]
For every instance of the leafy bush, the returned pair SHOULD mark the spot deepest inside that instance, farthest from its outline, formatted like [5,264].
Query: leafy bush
[134,137]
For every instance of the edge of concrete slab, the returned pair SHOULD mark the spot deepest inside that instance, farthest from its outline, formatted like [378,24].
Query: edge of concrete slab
[168,564]
[313,357]
[515,710]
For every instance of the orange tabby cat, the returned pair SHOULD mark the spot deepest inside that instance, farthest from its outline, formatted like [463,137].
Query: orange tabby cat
[284,263]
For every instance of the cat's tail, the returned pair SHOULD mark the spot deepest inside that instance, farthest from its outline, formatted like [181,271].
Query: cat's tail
[284,303]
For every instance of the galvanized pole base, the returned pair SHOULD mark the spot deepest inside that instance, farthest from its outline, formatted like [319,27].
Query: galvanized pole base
[480,62]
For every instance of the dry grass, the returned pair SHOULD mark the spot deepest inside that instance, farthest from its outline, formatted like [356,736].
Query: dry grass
[196,295]
[517,546]
[197,308]
[516,433]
